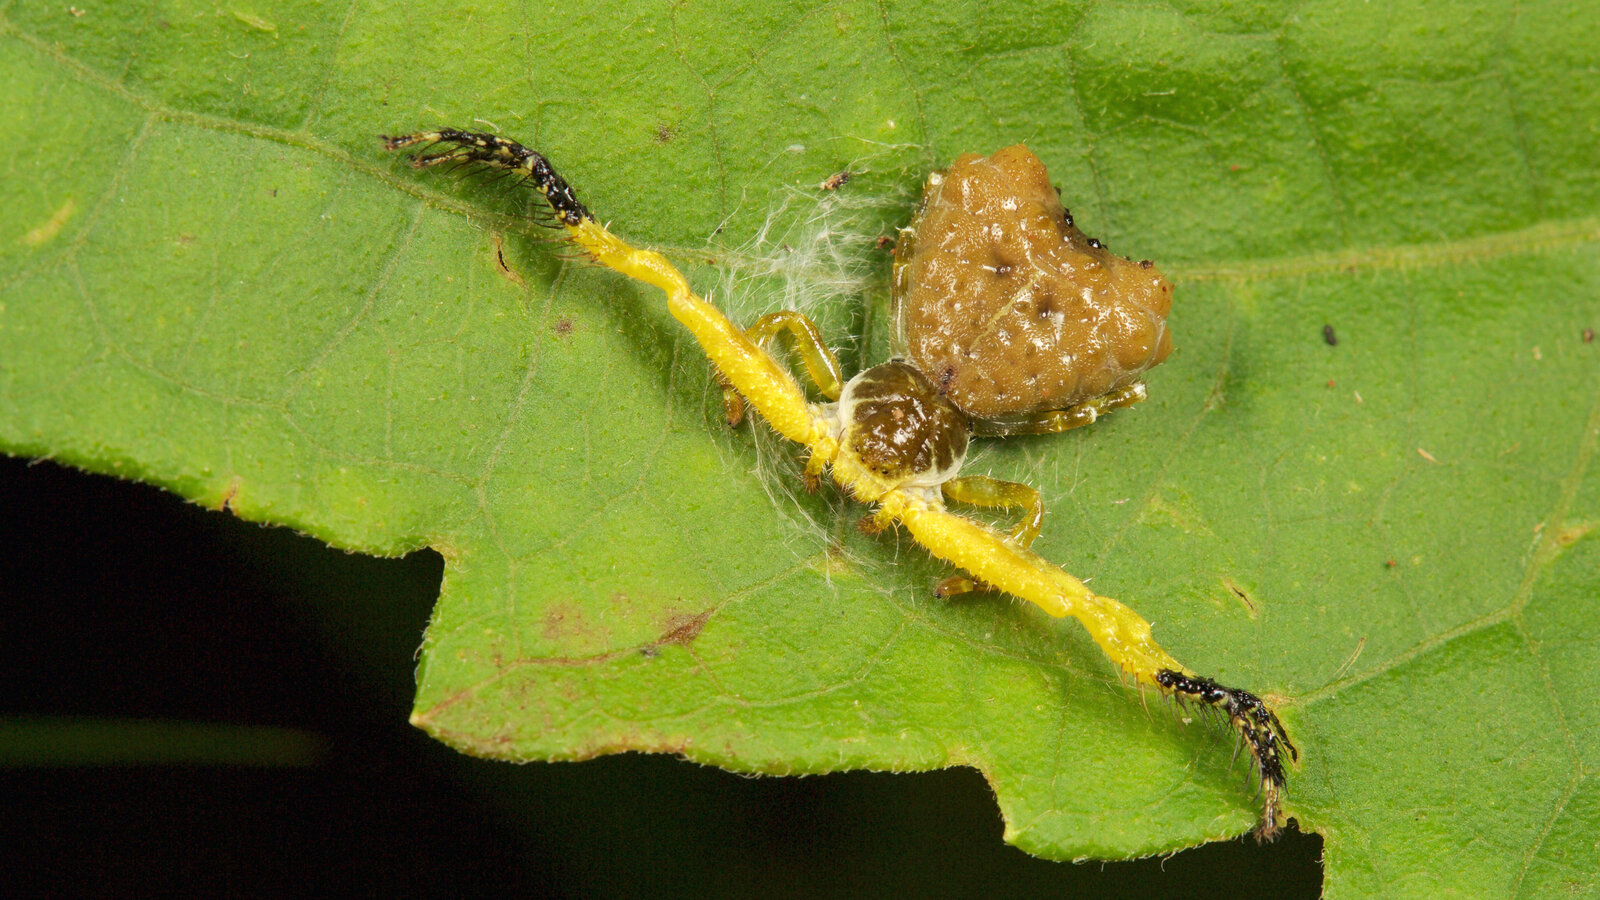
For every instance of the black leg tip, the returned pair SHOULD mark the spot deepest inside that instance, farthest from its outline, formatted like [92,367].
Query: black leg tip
[1261,730]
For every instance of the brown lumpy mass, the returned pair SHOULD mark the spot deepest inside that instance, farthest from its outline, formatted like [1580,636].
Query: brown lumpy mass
[1007,306]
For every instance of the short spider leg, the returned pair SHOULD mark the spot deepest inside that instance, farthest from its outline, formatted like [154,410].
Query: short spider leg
[1123,635]
[992,493]
[1058,420]
[820,362]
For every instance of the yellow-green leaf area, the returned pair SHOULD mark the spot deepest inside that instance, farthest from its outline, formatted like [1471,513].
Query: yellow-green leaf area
[212,278]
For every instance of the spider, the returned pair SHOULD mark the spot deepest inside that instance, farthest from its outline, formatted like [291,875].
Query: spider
[895,435]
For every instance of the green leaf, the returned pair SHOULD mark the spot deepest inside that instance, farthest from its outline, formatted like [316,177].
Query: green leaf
[213,279]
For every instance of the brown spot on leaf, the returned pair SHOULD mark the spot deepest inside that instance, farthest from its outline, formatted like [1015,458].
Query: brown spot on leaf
[228,493]
[683,629]
[1571,534]
[1243,595]
[565,624]
[500,264]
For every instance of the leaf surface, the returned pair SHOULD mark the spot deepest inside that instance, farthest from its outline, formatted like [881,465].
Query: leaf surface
[213,279]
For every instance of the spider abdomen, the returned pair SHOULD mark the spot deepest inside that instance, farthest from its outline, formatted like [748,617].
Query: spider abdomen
[1007,306]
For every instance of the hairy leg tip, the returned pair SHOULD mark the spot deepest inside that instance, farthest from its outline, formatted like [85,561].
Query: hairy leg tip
[1263,733]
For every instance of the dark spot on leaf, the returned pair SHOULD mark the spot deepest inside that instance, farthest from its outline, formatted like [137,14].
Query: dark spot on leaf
[682,630]
[1243,595]
[228,495]
[500,263]
[1571,534]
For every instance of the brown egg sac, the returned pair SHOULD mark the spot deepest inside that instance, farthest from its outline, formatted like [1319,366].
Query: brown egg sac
[1007,306]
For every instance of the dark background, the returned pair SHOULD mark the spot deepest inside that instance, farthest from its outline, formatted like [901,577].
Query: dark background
[196,703]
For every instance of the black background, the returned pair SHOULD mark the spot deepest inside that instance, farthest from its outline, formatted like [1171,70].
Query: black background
[126,608]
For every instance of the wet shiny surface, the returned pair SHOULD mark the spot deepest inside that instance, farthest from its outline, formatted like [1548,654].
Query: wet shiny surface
[899,427]
[1007,306]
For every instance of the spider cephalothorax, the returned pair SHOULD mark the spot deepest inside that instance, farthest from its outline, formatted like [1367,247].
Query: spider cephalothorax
[896,426]
[897,434]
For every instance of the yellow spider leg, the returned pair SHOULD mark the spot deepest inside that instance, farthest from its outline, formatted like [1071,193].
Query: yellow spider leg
[821,364]
[1003,565]
[1123,635]
[752,371]
[981,490]
[1057,420]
